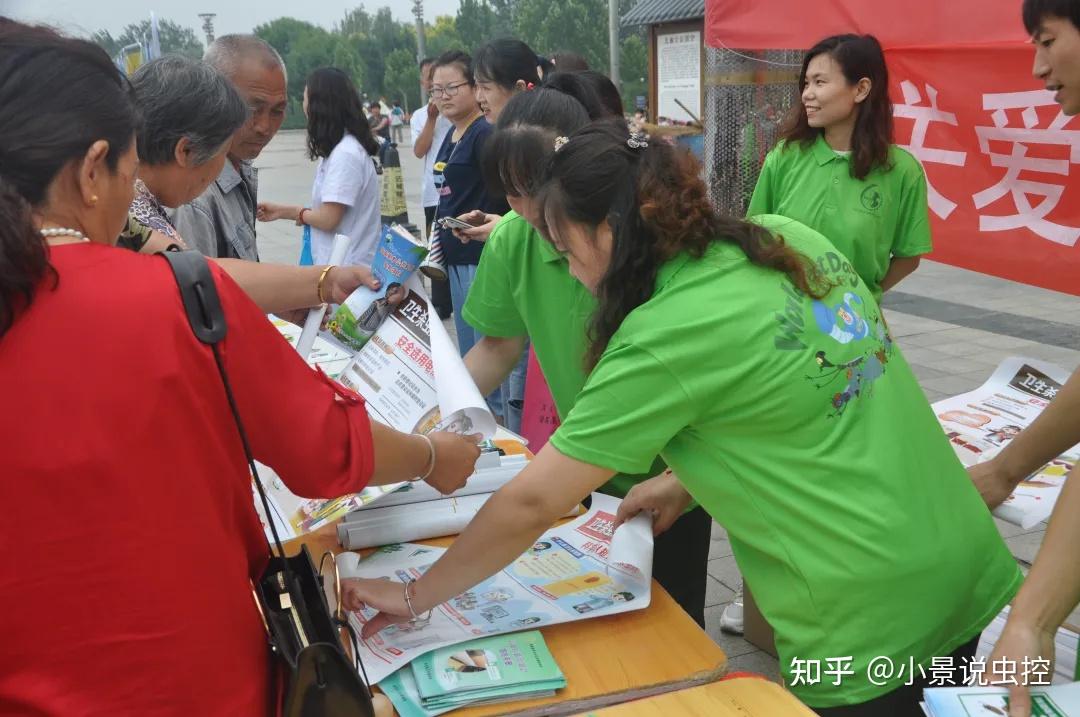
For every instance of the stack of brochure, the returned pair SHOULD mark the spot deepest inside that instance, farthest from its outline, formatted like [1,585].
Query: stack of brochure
[1050,701]
[486,671]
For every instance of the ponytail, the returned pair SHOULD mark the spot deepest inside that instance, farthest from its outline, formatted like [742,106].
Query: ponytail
[652,197]
[24,259]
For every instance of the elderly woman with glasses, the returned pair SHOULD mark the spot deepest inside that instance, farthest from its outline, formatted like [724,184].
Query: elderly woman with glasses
[188,113]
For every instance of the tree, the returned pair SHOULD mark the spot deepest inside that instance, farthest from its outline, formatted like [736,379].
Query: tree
[442,36]
[305,47]
[387,35]
[401,81]
[175,39]
[356,22]
[284,32]
[476,23]
[633,70]
[577,25]
[105,40]
[504,17]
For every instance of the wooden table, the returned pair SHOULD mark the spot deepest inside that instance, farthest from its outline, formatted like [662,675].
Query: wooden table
[743,697]
[606,660]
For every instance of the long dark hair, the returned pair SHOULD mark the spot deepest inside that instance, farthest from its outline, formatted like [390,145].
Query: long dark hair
[505,61]
[58,97]
[858,56]
[334,109]
[657,206]
[515,154]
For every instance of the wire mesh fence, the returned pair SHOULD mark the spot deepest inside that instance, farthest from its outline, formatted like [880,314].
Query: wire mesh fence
[748,97]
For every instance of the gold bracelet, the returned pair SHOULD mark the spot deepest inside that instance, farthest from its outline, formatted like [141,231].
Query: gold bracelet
[322,277]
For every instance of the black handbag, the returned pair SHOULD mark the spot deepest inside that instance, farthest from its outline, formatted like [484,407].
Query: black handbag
[310,641]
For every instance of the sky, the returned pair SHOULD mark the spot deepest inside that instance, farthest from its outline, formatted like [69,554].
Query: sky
[82,17]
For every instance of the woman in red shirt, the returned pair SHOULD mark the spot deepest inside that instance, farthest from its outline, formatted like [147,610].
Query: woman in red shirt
[129,533]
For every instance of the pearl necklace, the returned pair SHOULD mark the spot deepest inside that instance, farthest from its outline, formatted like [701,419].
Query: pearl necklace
[51,232]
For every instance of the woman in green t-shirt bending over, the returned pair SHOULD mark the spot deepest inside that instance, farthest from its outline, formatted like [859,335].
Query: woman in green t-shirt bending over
[757,364]
[523,288]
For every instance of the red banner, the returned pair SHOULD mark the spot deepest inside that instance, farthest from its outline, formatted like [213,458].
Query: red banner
[797,24]
[999,156]
[998,153]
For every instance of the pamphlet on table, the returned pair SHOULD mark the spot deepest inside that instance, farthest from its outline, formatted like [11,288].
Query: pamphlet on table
[485,671]
[980,424]
[572,572]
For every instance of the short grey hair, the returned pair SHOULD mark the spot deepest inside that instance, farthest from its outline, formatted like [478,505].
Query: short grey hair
[227,52]
[179,97]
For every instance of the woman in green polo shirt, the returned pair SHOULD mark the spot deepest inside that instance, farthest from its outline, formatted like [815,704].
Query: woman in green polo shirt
[837,171]
[523,289]
[757,364]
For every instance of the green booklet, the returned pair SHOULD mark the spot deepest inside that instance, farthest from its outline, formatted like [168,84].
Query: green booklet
[493,669]
[400,688]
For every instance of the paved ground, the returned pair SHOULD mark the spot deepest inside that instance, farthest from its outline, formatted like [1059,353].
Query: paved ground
[953,326]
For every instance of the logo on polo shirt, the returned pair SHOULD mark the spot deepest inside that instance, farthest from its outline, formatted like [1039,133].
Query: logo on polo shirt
[871,198]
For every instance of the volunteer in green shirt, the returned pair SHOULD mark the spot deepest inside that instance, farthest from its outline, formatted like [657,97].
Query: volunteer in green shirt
[837,171]
[524,289]
[762,371]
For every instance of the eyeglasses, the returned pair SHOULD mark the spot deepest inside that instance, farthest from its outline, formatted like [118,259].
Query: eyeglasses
[448,91]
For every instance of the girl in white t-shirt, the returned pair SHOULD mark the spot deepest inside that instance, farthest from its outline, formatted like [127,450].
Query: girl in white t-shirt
[345,194]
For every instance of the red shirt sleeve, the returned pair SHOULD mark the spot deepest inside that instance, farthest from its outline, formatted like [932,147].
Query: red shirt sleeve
[313,432]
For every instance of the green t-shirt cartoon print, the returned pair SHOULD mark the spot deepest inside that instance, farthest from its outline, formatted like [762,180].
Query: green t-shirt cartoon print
[800,427]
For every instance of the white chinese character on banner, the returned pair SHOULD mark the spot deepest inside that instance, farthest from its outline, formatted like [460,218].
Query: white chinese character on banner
[923,116]
[1017,161]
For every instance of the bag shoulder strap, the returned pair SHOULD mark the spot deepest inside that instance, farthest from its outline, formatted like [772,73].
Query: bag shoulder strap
[199,293]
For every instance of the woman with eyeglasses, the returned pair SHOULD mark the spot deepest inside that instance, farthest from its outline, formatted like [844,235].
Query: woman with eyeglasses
[502,69]
[460,185]
[131,534]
